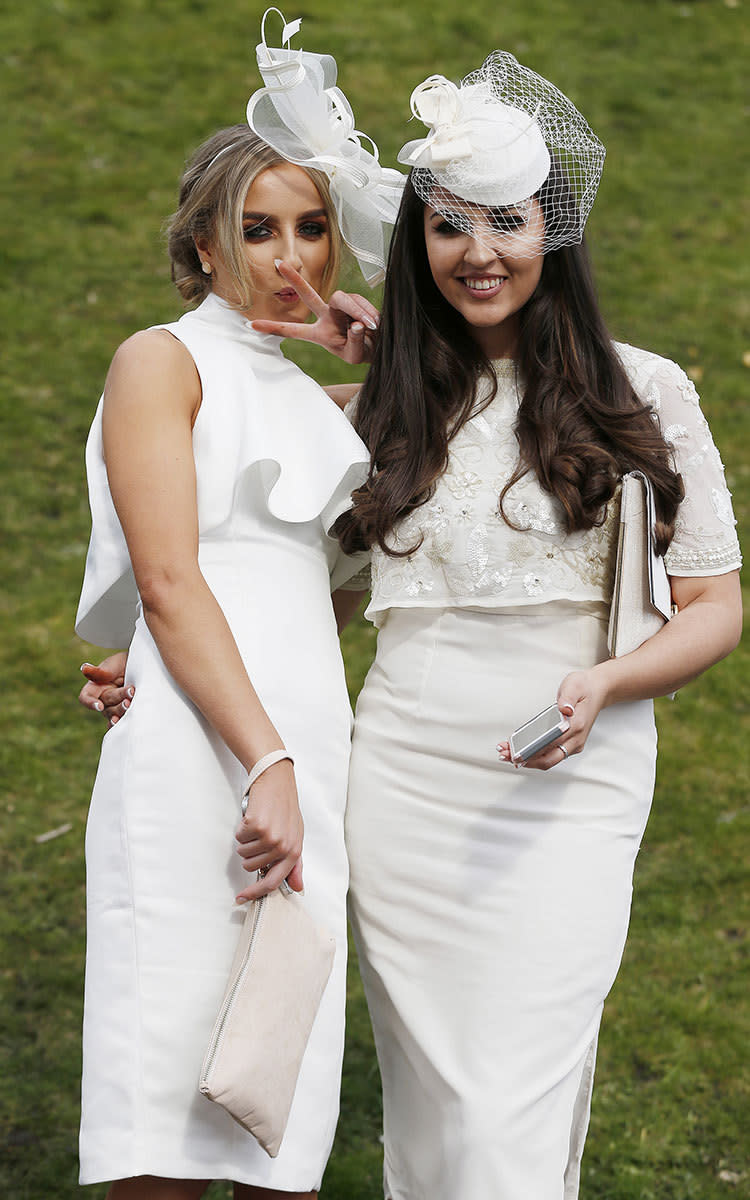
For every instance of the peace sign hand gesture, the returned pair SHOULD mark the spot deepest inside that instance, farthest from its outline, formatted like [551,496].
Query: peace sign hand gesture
[345,325]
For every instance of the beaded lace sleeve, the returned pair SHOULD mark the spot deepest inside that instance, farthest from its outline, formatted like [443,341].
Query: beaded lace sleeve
[705,541]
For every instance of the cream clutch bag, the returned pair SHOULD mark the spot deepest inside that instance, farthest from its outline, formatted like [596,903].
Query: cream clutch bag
[280,970]
[641,597]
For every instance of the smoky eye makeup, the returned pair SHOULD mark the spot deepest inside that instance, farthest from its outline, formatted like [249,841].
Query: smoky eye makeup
[313,228]
[255,227]
[259,226]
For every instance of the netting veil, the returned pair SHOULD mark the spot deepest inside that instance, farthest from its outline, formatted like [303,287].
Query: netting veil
[507,156]
[309,121]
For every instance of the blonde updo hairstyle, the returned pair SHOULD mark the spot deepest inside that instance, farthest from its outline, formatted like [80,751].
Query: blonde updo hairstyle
[211,203]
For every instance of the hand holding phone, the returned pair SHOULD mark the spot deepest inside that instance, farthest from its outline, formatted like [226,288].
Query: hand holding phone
[534,735]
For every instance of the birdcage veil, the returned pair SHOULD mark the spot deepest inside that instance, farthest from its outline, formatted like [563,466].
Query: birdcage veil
[506,154]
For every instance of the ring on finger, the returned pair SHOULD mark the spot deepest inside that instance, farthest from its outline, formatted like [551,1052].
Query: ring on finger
[565,753]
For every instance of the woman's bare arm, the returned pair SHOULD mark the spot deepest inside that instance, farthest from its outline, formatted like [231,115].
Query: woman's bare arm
[345,605]
[705,629]
[150,401]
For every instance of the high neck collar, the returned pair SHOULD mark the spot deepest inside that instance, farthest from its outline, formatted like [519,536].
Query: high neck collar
[234,324]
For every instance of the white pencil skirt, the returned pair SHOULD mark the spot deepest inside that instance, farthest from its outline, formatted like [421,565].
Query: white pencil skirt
[490,905]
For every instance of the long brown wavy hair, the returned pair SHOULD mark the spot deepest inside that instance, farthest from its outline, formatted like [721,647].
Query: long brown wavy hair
[580,425]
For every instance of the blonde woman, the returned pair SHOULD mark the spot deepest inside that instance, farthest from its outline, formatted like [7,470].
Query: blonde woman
[216,468]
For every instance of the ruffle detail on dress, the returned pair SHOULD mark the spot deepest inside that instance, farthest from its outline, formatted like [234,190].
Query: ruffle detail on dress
[108,605]
[259,412]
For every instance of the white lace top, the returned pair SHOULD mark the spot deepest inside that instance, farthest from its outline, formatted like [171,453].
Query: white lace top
[470,557]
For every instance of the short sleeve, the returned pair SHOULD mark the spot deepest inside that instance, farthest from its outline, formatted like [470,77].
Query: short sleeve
[705,541]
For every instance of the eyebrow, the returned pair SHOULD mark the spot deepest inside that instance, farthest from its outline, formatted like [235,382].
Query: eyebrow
[489,214]
[258,217]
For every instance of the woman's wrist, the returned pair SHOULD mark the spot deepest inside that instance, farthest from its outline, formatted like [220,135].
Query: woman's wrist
[605,683]
[262,765]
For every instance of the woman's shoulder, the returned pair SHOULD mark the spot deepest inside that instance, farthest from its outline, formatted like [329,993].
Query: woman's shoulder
[145,360]
[661,383]
[643,365]
[155,344]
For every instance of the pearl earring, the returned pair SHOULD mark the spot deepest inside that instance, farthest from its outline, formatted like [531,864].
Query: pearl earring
[206,267]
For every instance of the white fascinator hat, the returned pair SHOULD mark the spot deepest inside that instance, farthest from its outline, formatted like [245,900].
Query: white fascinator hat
[506,154]
[304,116]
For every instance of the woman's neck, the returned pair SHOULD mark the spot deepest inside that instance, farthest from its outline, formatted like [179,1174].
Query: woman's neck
[497,341]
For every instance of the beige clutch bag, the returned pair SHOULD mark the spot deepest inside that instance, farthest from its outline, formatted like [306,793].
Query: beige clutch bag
[641,597]
[280,970]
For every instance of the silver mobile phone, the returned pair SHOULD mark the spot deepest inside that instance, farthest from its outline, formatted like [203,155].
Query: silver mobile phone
[540,731]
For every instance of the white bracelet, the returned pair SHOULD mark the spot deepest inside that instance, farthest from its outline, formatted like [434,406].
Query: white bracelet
[268,760]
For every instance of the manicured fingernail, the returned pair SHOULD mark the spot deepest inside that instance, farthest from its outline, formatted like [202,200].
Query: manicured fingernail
[126,704]
[277,262]
[113,720]
[131,692]
[84,665]
[240,900]
[357,327]
[98,706]
[370,324]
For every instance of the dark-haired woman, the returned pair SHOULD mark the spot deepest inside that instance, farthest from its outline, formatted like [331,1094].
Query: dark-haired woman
[490,905]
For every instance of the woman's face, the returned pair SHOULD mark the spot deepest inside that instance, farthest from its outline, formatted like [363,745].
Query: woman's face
[485,280]
[283,218]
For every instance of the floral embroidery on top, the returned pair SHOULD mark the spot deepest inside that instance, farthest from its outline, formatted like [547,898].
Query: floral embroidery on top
[534,584]
[653,397]
[722,502]
[673,432]
[466,553]
[539,516]
[464,486]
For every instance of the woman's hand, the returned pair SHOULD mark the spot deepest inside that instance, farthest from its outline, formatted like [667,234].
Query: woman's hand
[270,834]
[345,325]
[105,691]
[706,627]
[580,697]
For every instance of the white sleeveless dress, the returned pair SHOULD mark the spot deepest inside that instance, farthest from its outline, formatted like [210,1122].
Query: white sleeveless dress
[276,463]
[490,905]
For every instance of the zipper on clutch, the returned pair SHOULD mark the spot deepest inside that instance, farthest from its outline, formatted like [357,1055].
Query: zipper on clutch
[215,1043]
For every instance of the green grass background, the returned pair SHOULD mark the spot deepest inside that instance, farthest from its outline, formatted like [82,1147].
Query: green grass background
[102,100]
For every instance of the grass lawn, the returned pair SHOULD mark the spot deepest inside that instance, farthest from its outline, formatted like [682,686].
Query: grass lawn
[103,100]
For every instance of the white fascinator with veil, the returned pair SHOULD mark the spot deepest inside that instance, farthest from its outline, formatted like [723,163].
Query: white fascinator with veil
[304,116]
[506,153]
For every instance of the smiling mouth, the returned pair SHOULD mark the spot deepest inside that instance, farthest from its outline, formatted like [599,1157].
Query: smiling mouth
[487,283]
